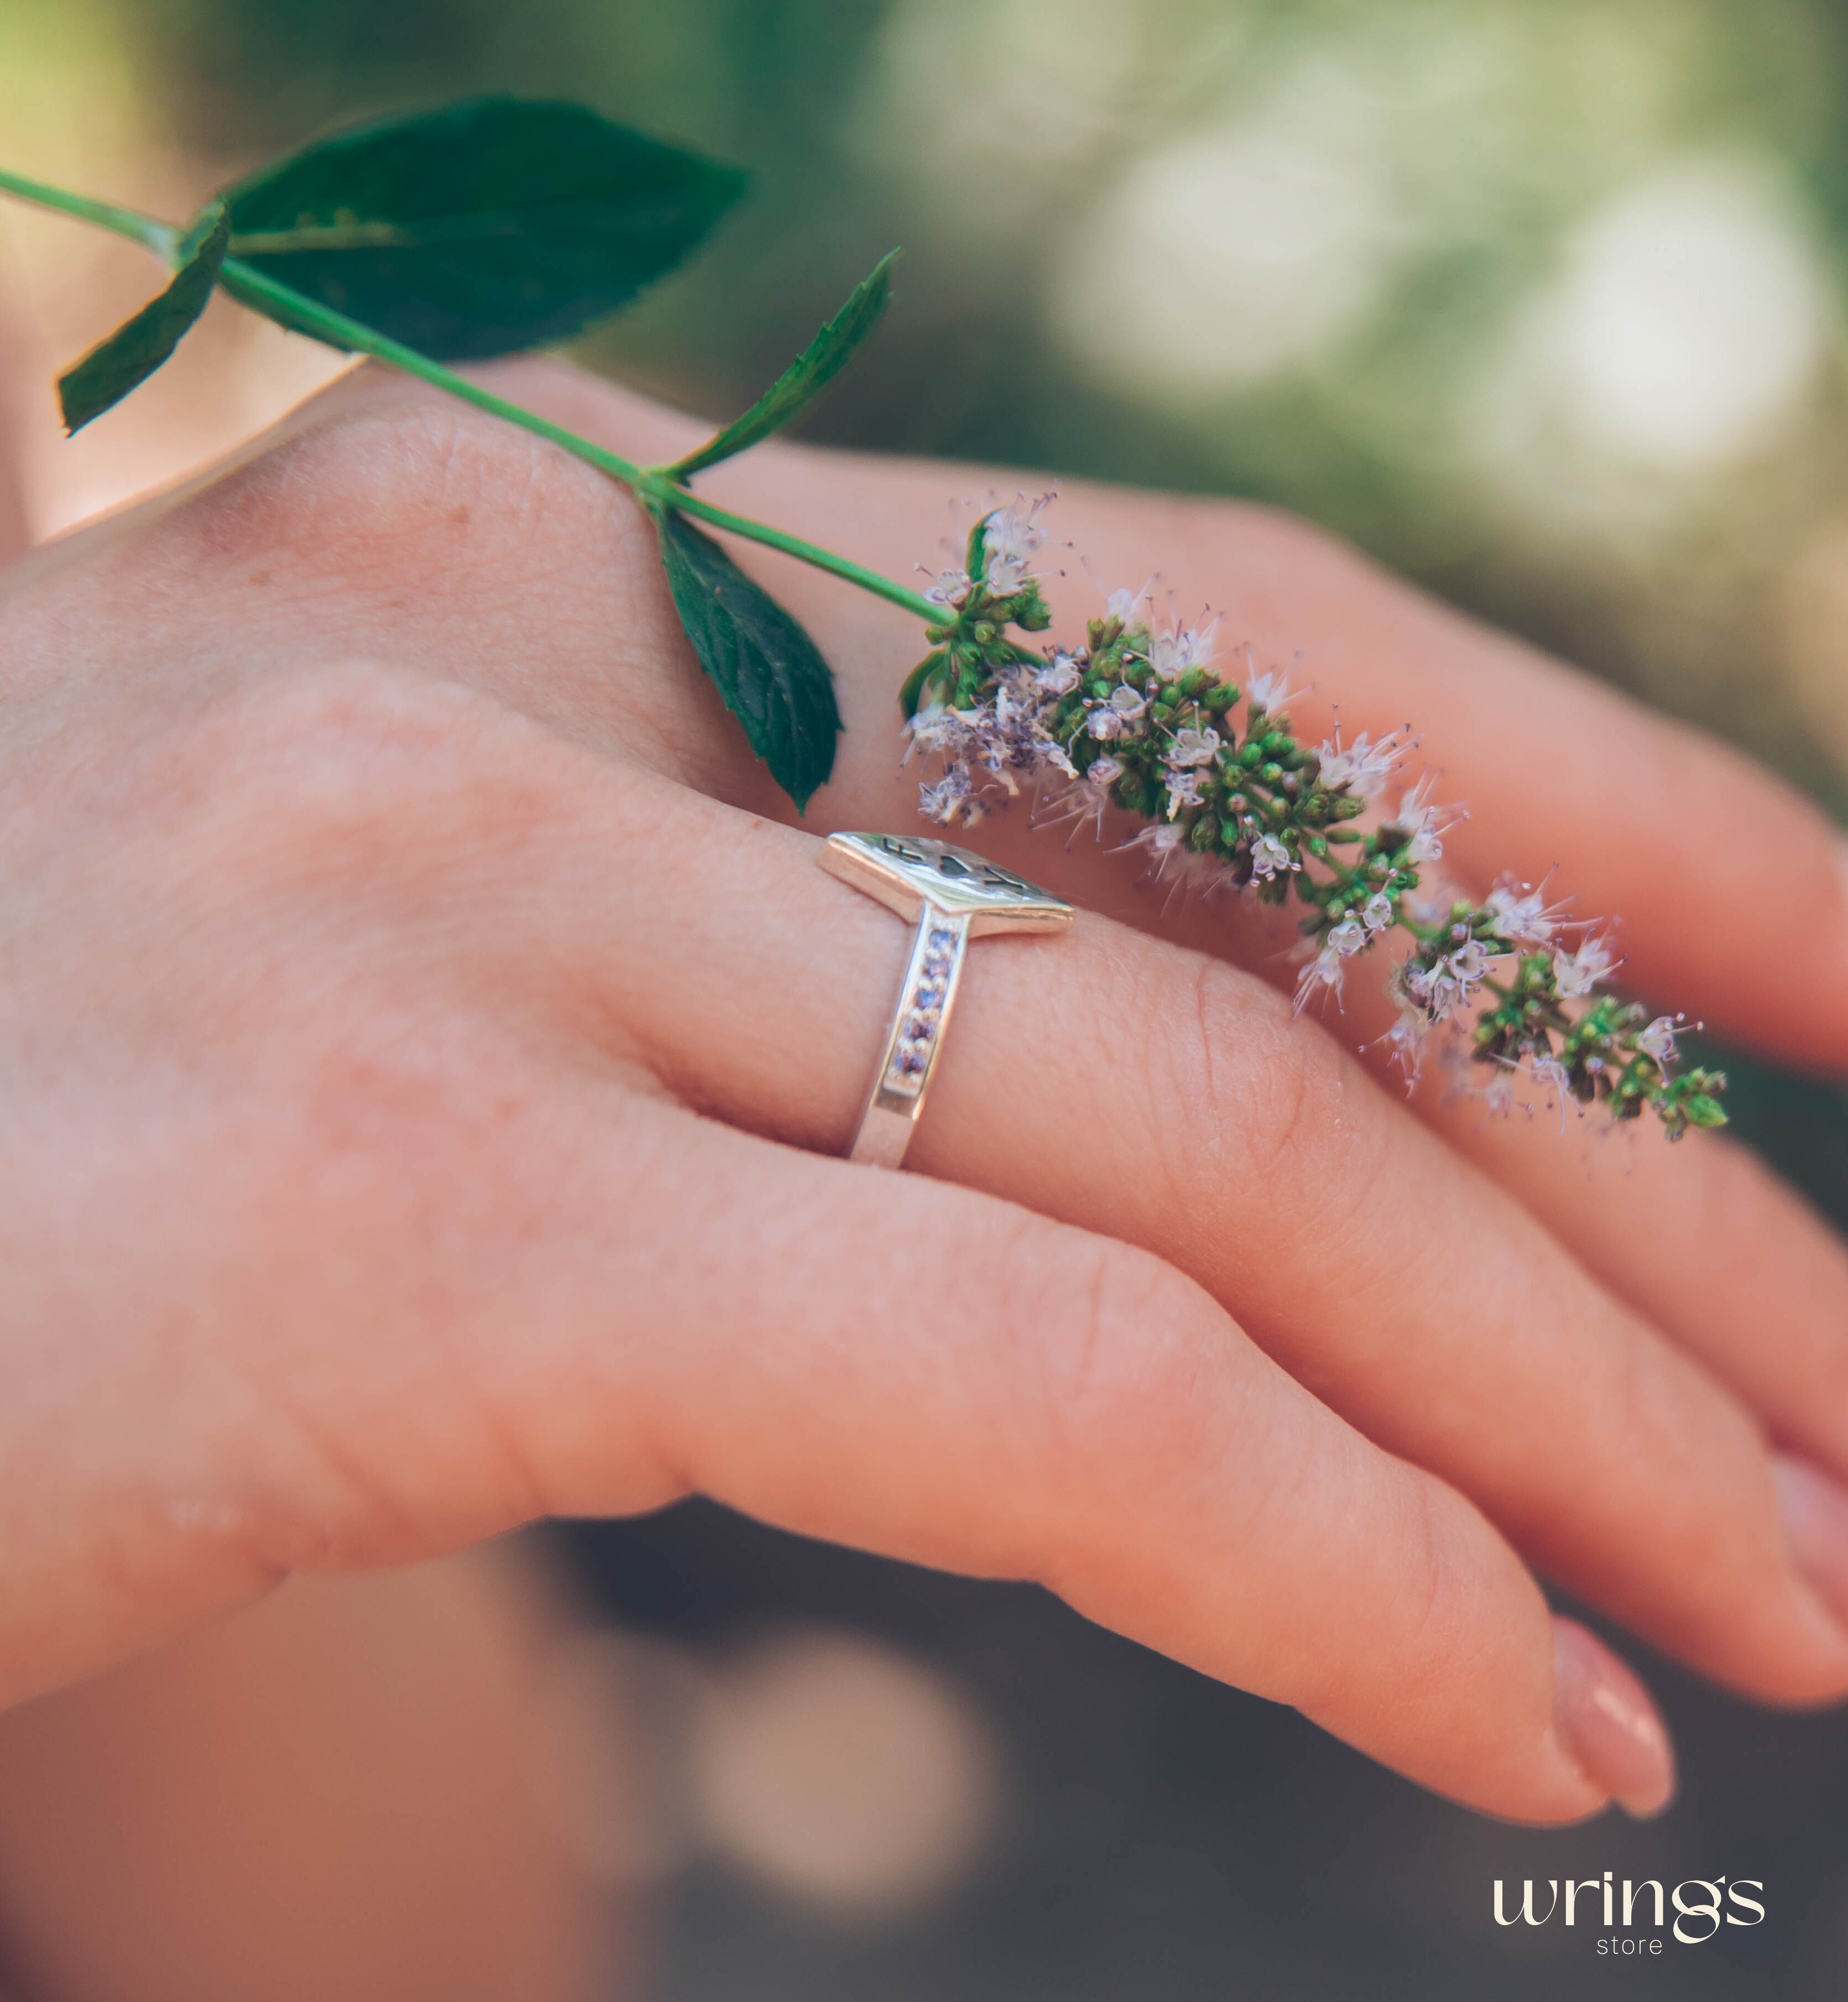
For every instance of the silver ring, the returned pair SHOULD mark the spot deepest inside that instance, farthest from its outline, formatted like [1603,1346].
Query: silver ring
[955,896]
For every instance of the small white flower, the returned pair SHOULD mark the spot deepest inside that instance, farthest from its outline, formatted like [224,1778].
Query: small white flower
[1087,799]
[949,799]
[1161,842]
[1523,917]
[1169,854]
[1172,653]
[1575,974]
[1183,790]
[1421,821]
[1011,538]
[1104,772]
[1431,987]
[1126,605]
[1549,1071]
[1119,715]
[1657,1040]
[951,587]
[1346,939]
[1323,974]
[1362,767]
[1058,677]
[1470,962]
[1498,1094]
[1270,857]
[1270,690]
[1405,1040]
[1192,747]
[1376,913]
[1447,984]
[938,730]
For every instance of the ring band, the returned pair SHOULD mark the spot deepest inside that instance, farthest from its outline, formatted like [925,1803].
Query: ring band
[954,895]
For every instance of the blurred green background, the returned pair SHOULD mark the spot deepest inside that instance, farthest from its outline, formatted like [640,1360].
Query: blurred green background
[1542,301]
[1539,301]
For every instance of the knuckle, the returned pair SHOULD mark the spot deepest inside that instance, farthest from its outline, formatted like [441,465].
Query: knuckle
[1433,1567]
[1112,1375]
[419,487]
[344,764]
[1244,1098]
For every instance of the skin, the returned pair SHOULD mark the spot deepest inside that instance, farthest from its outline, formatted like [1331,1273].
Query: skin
[426,1038]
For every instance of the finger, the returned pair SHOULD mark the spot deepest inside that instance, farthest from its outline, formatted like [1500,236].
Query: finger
[1731,889]
[1127,1087]
[1703,1241]
[911,1367]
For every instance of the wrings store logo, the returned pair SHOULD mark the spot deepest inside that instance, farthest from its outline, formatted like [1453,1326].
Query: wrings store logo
[1701,1906]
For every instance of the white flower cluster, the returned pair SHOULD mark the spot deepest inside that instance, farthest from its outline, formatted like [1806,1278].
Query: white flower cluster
[1011,540]
[1364,767]
[1353,934]
[1002,742]
[1011,537]
[1224,800]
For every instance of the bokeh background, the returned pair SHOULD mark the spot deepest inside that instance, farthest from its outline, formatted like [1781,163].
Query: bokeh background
[1542,301]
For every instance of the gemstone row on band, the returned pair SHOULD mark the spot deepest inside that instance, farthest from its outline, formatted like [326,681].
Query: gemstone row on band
[921,1018]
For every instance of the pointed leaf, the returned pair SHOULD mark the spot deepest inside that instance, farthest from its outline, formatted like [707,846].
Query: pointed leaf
[136,348]
[479,228]
[805,378]
[773,679]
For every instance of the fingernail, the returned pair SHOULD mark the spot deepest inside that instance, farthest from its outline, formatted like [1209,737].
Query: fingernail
[1606,1721]
[1815,1519]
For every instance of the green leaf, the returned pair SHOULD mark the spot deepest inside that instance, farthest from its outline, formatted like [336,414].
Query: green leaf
[806,377]
[773,679]
[135,350]
[479,228]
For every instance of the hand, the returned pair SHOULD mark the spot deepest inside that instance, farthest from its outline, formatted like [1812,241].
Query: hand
[427,1036]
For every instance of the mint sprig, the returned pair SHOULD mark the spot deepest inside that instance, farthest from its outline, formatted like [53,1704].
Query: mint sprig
[495,225]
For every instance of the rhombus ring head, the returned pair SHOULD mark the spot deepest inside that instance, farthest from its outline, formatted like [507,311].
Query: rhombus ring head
[907,871]
[954,896]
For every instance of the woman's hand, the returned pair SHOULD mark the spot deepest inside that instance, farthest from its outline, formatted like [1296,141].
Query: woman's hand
[426,1035]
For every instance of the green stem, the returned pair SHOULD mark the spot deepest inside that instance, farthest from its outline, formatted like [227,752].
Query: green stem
[148,231]
[655,483]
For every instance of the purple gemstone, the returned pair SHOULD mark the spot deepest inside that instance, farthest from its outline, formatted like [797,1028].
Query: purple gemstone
[929,996]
